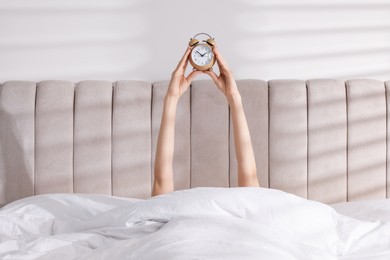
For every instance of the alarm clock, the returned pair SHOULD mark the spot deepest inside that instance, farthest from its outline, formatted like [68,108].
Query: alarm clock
[202,57]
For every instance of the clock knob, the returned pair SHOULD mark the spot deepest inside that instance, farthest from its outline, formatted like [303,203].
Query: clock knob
[193,42]
[210,41]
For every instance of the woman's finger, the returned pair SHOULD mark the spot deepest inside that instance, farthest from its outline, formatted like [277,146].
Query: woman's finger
[184,59]
[192,75]
[185,65]
[220,60]
[217,57]
[213,76]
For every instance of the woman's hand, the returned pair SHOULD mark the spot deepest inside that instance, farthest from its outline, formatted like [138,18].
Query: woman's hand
[225,81]
[246,163]
[180,83]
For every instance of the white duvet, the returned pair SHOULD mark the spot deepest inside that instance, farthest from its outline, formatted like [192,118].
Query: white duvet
[200,223]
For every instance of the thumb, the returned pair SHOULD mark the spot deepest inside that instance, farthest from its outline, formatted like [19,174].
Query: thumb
[216,80]
[212,75]
[192,75]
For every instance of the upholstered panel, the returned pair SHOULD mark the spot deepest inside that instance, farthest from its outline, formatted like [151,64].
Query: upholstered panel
[17,106]
[322,139]
[209,135]
[327,140]
[54,137]
[254,96]
[131,139]
[366,139]
[288,136]
[92,137]
[181,157]
[388,137]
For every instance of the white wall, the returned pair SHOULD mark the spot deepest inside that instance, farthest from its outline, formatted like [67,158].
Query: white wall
[144,39]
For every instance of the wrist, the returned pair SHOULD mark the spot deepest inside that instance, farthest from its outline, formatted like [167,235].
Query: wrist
[171,98]
[234,99]
[170,103]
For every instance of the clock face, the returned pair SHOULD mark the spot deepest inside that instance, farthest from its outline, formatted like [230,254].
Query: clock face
[202,55]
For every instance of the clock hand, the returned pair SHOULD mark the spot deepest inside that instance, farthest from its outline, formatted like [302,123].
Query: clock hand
[199,53]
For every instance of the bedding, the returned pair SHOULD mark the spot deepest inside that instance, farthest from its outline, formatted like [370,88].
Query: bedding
[199,223]
[370,209]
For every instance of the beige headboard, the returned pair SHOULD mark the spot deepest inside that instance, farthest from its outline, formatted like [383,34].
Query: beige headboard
[321,139]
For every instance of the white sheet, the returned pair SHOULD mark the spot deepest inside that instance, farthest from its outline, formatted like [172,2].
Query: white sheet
[200,223]
[372,209]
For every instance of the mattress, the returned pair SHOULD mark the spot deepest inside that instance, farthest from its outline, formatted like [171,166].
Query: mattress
[200,223]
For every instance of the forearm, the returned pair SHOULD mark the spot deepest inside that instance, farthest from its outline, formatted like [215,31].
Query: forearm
[243,146]
[165,143]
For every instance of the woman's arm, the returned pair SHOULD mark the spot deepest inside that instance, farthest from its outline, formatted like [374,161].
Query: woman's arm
[163,172]
[163,165]
[247,174]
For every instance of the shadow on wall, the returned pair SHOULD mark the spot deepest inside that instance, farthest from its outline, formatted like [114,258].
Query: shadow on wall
[73,40]
[114,40]
[339,39]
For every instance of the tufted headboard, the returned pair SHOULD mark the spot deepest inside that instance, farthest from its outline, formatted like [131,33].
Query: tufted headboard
[321,139]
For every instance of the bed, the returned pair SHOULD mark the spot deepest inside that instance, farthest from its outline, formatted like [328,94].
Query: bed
[76,164]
